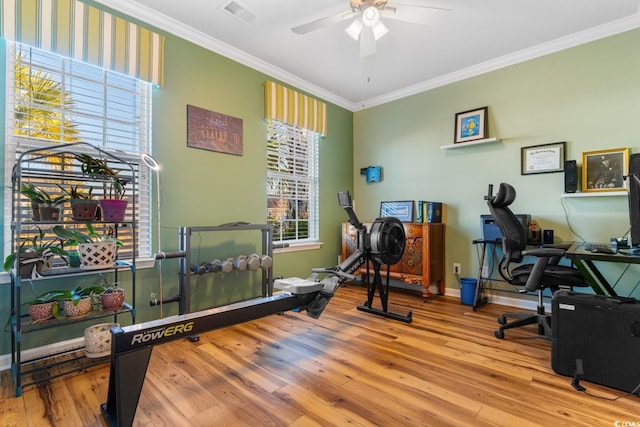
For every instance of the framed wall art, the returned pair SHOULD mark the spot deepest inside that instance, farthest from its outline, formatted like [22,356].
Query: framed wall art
[403,210]
[603,170]
[471,125]
[544,158]
[213,131]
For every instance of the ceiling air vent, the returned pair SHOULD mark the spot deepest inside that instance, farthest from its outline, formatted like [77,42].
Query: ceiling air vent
[238,11]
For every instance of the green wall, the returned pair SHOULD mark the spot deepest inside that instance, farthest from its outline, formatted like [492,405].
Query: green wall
[204,188]
[588,96]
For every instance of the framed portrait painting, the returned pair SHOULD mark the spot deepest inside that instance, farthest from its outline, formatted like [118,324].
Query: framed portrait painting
[604,170]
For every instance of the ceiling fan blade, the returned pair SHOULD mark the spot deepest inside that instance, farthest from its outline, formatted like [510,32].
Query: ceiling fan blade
[417,14]
[323,22]
[419,6]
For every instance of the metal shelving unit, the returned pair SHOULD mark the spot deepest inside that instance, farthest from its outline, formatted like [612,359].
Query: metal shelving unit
[48,168]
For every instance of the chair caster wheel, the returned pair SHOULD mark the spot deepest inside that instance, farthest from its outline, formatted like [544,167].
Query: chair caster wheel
[499,334]
[502,320]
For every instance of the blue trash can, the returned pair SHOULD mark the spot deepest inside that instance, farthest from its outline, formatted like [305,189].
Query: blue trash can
[467,290]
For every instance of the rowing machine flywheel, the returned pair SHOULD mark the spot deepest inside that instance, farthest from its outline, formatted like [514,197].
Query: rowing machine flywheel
[387,240]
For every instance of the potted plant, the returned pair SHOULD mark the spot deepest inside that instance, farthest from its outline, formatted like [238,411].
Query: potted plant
[44,206]
[96,251]
[75,303]
[83,206]
[78,301]
[113,205]
[36,254]
[44,306]
[112,296]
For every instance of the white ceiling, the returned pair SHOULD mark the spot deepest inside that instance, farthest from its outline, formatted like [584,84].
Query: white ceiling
[476,36]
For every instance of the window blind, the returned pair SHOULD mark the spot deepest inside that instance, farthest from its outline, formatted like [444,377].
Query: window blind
[292,182]
[52,100]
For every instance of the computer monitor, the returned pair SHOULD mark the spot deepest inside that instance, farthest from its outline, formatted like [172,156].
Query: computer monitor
[634,210]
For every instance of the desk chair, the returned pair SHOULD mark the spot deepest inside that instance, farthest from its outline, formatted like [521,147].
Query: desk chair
[545,273]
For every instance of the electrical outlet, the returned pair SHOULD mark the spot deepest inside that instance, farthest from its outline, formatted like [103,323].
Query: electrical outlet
[485,271]
[457,268]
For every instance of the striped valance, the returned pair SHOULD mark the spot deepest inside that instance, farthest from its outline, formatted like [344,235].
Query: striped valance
[294,108]
[85,33]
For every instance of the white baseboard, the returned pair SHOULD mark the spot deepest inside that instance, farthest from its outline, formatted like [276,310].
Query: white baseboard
[492,298]
[46,350]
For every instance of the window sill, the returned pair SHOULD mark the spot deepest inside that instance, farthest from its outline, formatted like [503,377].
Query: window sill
[299,247]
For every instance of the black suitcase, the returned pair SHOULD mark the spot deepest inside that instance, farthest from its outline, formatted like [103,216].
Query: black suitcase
[602,334]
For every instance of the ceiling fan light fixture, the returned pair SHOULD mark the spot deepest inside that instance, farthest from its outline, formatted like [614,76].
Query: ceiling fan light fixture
[370,16]
[379,30]
[354,29]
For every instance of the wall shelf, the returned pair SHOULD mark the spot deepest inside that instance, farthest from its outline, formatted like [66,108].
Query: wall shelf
[594,194]
[467,144]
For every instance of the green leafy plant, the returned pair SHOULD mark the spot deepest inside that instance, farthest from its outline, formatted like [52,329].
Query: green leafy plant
[74,295]
[113,185]
[39,195]
[73,236]
[79,292]
[75,192]
[38,243]
[44,298]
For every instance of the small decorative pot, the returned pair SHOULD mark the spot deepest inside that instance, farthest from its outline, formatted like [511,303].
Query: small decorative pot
[113,209]
[49,212]
[40,312]
[112,300]
[82,307]
[98,255]
[30,261]
[83,209]
[97,339]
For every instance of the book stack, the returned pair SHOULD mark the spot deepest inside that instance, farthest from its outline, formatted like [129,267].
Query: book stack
[429,211]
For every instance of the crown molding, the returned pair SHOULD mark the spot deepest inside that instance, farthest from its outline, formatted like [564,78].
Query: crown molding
[172,26]
[572,40]
[169,25]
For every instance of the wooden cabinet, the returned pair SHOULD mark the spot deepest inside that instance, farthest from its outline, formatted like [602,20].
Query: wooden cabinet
[422,263]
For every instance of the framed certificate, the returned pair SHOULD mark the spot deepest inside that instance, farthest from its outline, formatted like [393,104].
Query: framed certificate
[544,158]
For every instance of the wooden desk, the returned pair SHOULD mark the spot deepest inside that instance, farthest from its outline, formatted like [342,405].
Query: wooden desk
[584,261]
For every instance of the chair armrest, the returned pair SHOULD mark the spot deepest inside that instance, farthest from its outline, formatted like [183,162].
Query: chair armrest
[563,246]
[544,252]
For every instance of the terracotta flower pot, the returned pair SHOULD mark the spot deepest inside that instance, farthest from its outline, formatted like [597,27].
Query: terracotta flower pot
[83,210]
[40,312]
[78,310]
[112,300]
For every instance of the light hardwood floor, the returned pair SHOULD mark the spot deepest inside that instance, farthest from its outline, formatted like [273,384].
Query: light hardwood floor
[346,368]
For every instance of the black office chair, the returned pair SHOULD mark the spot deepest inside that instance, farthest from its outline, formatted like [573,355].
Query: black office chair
[545,273]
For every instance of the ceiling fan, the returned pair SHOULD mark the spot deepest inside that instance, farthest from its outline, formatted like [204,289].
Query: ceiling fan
[367,27]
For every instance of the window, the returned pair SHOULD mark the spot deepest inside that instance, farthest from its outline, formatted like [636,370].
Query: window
[51,99]
[292,183]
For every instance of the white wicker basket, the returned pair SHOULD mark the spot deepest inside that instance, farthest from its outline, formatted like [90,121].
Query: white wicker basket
[99,255]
